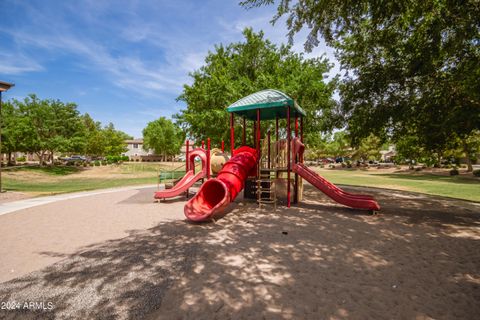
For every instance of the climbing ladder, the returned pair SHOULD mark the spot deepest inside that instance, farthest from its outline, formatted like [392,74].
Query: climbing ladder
[266,188]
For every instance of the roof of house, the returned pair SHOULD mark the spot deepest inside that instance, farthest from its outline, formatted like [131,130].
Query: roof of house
[138,141]
[271,103]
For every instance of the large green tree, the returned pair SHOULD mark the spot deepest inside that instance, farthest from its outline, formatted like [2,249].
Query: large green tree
[238,69]
[113,140]
[413,66]
[48,126]
[94,138]
[10,132]
[163,136]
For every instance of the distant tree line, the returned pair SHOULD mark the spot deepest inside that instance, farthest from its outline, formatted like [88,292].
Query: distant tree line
[408,149]
[412,68]
[47,126]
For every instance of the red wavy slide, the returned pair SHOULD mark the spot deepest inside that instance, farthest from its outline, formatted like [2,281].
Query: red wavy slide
[188,179]
[357,201]
[215,194]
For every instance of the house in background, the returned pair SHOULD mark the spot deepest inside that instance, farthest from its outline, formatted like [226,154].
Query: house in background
[136,152]
[387,155]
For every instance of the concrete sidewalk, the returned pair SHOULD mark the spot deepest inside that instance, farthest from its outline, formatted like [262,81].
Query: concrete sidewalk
[33,202]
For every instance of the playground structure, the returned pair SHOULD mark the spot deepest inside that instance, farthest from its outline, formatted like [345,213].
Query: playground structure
[267,171]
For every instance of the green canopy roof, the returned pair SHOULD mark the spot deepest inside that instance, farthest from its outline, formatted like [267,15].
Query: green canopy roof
[272,103]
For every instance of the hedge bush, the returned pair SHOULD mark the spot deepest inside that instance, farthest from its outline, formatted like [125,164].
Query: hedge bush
[454,172]
[115,159]
[476,173]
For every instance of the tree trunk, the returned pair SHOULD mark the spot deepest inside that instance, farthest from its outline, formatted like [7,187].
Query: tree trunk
[40,156]
[10,162]
[467,155]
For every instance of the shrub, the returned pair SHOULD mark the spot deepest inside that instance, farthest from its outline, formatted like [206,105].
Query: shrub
[104,162]
[85,164]
[115,159]
[454,172]
[476,173]
[78,163]
[97,163]
[21,159]
[349,164]
[418,169]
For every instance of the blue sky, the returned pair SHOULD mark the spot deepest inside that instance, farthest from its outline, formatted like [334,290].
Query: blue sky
[121,61]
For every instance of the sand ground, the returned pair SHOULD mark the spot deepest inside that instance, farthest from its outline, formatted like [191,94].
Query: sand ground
[120,256]
[13,196]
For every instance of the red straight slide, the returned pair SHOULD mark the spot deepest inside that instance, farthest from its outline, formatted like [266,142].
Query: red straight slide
[357,201]
[188,179]
[215,194]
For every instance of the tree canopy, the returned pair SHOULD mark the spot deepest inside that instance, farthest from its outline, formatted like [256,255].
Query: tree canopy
[238,69]
[412,66]
[48,126]
[163,136]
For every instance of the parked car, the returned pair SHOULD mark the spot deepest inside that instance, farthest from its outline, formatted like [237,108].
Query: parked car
[327,160]
[73,158]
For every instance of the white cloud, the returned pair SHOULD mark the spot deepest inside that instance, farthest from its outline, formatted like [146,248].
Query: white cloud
[127,72]
[13,64]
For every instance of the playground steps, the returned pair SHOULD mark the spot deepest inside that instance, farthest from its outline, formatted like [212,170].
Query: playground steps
[266,193]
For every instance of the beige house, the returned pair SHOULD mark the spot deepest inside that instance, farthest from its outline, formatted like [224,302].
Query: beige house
[387,155]
[137,153]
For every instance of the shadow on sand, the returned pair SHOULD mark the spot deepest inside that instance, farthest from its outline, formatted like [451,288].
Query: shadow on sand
[418,258]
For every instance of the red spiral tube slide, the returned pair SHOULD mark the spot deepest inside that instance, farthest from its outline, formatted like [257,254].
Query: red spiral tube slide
[215,194]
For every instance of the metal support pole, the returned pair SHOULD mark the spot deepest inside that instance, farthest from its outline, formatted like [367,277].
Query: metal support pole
[288,156]
[301,129]
[276,141]
[232,135]
[1,154]
[187,151]
[296,126]
[257,142]
[203,144]
[295,160]
[223,146]
[254,132]
[268,142]
[301,136]
[244,137]
[276,128]
[208,158]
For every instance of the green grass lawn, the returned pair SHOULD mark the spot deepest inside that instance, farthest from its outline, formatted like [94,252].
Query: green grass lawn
[52,180]
[63,179]
[449,186]
[73,185]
